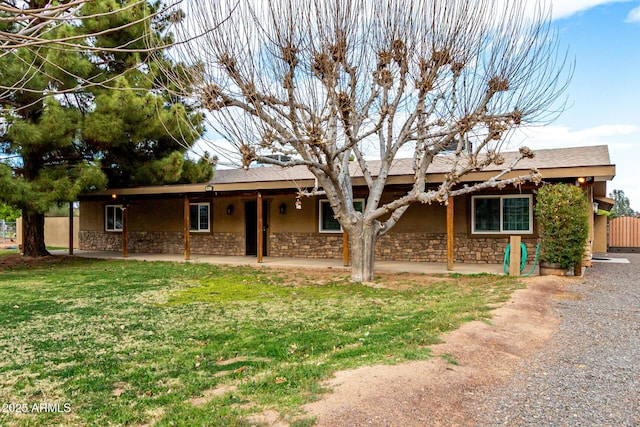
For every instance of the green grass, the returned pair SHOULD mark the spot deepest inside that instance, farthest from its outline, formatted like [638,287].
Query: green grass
[129,343]
[449,359]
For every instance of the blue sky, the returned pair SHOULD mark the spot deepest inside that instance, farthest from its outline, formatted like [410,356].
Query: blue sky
[604,101]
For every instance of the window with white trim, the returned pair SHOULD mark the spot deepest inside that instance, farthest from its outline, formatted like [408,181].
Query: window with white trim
[113,218]
[511,214]
[199,217]
[328,222]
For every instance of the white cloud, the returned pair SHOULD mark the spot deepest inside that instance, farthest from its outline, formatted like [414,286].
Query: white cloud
[564,136]
[566,8]
[634,15]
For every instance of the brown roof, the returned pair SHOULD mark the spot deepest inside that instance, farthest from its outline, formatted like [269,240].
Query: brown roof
[577,157]
[552,163]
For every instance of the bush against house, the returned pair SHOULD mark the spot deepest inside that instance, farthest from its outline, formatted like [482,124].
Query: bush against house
[562,211]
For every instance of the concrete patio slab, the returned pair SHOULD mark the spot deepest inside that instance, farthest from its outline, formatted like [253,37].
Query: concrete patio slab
[277,262]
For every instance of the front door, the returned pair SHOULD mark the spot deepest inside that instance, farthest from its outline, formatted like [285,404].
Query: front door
[251,226]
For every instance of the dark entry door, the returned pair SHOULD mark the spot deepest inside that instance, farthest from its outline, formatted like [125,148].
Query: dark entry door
[251,227]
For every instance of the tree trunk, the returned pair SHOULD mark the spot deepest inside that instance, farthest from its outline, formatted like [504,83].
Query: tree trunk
[33,235]
[362,241]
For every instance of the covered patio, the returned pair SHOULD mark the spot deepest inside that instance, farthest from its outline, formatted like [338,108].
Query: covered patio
[286,262]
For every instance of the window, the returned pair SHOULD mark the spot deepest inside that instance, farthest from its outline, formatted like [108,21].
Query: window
[113,218]
[199,216]
[502,214]
[328,223]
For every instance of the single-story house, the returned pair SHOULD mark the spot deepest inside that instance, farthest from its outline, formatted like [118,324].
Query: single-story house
[258,212]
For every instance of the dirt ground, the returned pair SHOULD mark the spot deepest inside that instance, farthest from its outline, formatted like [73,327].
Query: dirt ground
[17,260]
[437,392]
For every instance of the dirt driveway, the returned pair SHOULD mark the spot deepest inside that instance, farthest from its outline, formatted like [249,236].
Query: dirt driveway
[447,390]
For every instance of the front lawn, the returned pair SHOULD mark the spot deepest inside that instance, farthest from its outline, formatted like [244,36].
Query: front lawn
[87,342]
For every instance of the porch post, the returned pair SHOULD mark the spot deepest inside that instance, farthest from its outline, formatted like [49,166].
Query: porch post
[450,211]
[187,229]
[125,231]
[70,228]
[514,255]
[345,249]
[260,225]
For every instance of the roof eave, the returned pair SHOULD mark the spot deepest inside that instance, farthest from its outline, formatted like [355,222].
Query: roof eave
[599,173]
[151,190]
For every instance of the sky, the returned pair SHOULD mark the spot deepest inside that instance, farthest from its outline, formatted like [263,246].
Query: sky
[603,38]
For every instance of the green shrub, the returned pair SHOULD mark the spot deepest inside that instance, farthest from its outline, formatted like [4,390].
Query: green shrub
[562,212]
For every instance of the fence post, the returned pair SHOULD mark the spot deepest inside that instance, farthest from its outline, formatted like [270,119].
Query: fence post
[70,228]
[514,266]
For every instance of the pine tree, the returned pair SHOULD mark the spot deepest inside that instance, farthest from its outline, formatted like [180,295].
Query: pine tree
[54,147]
[622,206]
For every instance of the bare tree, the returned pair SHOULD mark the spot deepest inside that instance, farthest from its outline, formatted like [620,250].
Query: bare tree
[330,81]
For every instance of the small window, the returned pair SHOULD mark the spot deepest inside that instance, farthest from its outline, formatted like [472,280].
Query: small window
[502,214]
[199,216]
[328,222]
[113,218]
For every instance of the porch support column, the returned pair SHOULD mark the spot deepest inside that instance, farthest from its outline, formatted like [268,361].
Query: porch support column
[345,249]
[260,226]
[450,211]
[70,228]
[187,229]
[514,255]
[125,231]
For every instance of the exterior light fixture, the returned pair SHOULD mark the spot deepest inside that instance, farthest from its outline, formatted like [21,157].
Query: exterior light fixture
[298,203]
[282,208]
[582,180]
[230,210]
[114,196]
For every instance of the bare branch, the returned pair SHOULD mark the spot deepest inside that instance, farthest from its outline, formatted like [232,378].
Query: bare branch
[335,84]
[37,32]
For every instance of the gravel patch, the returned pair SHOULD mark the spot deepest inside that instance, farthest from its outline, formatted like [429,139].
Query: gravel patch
[589,372]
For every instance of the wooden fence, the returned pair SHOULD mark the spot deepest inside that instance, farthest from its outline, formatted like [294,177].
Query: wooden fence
[624,234]
[56,231]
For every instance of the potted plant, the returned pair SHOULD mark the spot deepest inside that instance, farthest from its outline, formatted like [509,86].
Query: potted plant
[562,212]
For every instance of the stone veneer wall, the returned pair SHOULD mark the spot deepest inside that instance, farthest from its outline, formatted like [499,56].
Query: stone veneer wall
[417,247]
[164,242]
[305,245]
[433,248]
